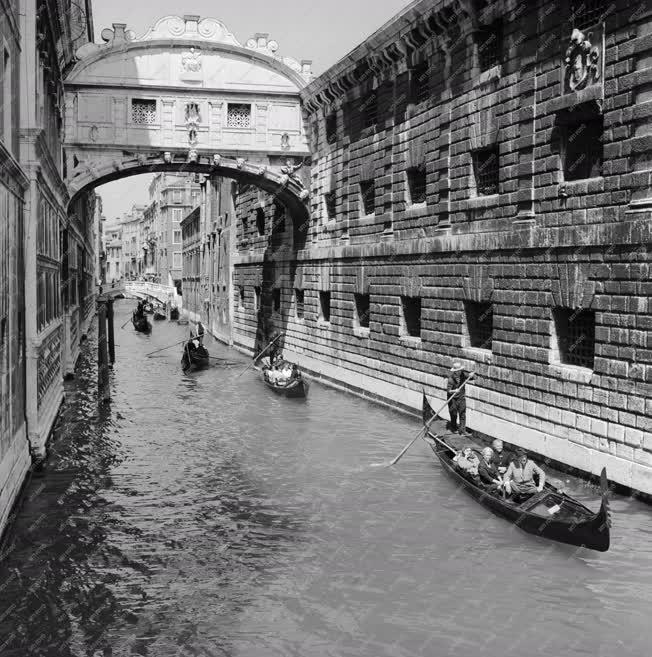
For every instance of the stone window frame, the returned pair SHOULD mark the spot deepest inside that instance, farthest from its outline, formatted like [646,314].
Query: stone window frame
[145,99]
[359,322]
[260,221]
[470,318]
[406,331]
[489,57]
[572,130]
[419,93]
[364,189]
[325,303]
[559,316]
[409,186]
[299,302]
[241,297]
[174,234]
[330,205]
[252,116]
[480,167]
[330,130]
[257,298]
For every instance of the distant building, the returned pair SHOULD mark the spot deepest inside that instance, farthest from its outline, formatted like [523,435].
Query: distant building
[132,242]
[112,231]
[172,197]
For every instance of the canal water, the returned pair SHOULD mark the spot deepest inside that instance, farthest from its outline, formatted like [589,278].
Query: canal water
[203,515]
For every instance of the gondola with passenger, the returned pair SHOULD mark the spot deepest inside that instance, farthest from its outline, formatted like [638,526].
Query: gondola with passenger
[195,356]
[159,314]
[549,513]
[285,379]
[140,322]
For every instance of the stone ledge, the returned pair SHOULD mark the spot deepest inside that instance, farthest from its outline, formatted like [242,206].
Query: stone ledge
[572,373]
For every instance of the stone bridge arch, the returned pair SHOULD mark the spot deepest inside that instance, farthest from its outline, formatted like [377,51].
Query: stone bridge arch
[187,96]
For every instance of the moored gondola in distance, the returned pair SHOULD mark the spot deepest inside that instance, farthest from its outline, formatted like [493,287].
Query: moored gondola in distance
[551,513]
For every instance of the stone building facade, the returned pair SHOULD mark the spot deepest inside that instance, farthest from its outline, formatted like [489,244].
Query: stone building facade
[14,452]
[481,191]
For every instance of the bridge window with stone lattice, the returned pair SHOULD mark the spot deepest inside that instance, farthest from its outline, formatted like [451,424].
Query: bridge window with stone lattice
[238,115]
[143,111]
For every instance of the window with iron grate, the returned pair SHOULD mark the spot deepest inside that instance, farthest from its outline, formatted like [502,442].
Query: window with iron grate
[238,115]
[325,306]
[278,222]
[260,221]
[362,308]
[587,13]
[419,82]
[276,299]
[143,111]
[411,316]
[416,177]
[486,167]
[299,303]
[479,322]
[368,197]
[490,45]
[575,331]
[330,202]
[369,109]
[331,128]
[241,298]
[583,149]
[256,298]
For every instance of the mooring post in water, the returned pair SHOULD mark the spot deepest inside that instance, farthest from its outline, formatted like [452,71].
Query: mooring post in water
[109,318]
[102,356]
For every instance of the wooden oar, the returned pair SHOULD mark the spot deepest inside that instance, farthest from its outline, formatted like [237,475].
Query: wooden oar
[430,421]
[125,324]
[168,347]
[260,354]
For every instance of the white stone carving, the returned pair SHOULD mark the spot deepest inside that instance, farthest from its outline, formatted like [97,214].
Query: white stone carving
[167,157]
[216,159]
[191,65]
[240,161]
[581,61]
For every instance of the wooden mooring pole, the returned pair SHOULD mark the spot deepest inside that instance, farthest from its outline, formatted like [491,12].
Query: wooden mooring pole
[103,391]
[109,317]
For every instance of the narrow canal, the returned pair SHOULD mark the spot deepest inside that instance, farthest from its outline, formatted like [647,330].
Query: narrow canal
[203,515]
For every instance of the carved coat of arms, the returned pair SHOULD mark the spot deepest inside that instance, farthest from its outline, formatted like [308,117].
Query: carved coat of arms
[582,62]
[191,64]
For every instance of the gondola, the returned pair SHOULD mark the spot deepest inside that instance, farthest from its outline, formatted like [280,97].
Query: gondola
[551,513]
[194,359]
[295,388]
[158,315]
[174,313]
[141,324]
[148,307]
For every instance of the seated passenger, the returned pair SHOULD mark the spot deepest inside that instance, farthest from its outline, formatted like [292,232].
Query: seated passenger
[502,458]
[467,461]
[487,470]
[519,478]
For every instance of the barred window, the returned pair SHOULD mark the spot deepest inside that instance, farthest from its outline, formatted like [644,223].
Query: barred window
[241,298]
[331,128]
[278,223]
[575,331]
[420,82]
[479,321]
[299,303]
[238,115]
[143,111]
[587,13]
[256,298]
[325,306]
[330,201]
[411,316]
[369,109]
[583,150]
[416,177]
[490,45]
[486,167]
[276,299]
[260,221]
[368,196]
[362,310]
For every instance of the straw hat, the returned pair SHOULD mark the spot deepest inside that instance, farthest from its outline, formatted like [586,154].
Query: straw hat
[457,367]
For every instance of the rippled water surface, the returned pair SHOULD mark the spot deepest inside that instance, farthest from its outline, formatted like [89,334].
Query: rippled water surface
[203,515]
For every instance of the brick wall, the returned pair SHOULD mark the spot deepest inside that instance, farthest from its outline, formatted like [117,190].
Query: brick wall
[547,229]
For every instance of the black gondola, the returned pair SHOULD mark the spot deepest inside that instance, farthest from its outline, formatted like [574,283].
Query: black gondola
[174,313]
[148,307]
[159,314]
[141,324]
[551,513]
[293,388]
[194,358]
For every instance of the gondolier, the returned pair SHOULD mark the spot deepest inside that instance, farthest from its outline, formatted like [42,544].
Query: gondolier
[457,404]
[200,332]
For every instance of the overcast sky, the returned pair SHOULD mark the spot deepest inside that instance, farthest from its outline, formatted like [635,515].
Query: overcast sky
[323,32]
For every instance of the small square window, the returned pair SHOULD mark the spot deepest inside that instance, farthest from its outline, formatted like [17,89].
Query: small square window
[490,45]
[479,321]
[276,299]
[486,167]
[260,221]
[587,13]
[368,197]
[411,316]
[241,298]
[331,128]
[257,298]
[143,111]
[420,82]
[330,201]
[416,177]
[575,332]
[369,109]
[325,306]
[238,115]
[176,237]
[362,310]
[583,150]
[299,303]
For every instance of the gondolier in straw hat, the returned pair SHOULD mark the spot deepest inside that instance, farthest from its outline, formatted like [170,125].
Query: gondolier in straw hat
[457,404]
